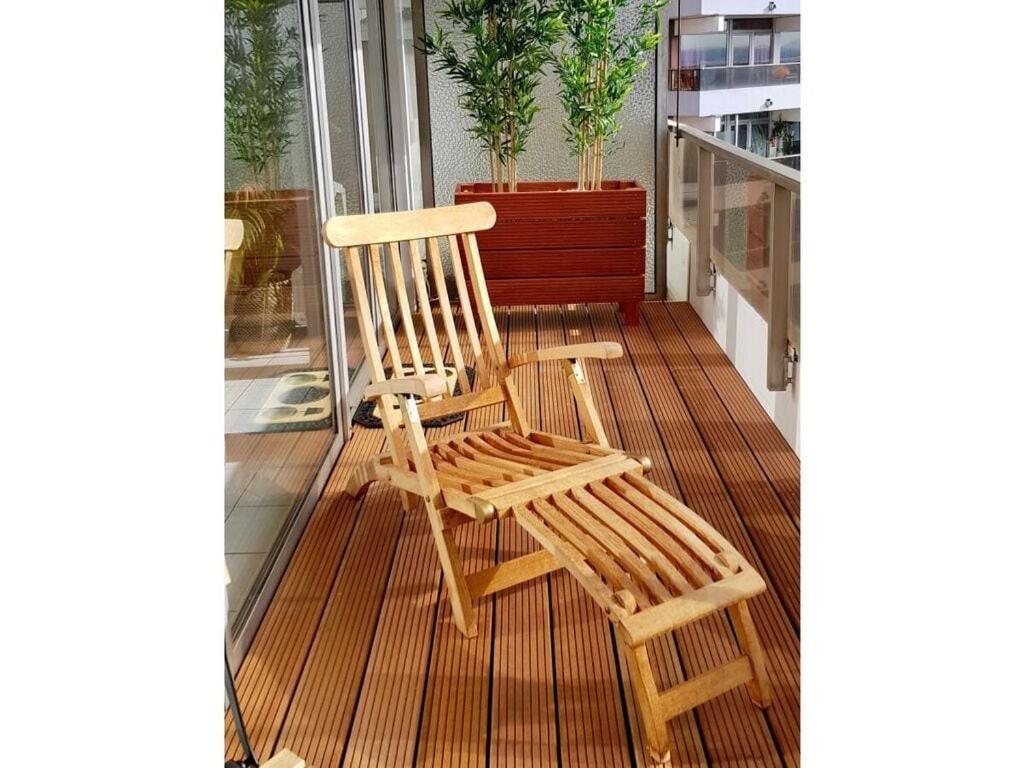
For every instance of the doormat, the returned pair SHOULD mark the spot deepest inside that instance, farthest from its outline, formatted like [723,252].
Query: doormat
[300,401]
[368,415]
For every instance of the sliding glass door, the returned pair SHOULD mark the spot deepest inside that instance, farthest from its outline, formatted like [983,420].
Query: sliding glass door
[283,360]
[320,120]
[351,171]
[369,69]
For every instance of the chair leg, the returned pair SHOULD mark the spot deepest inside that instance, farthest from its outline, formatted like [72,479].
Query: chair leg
[651,718]
[454,575]
[759,687]
[409,501]
[361,478]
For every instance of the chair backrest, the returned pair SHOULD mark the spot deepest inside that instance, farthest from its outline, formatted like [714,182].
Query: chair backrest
[450,225]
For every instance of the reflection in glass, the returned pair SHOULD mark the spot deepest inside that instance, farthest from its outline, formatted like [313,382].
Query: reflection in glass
[789,47]
[740,48]
[794,278]
[706,50]
[741,231]
[279,418]
[762,45]
[411,107]
[343,122]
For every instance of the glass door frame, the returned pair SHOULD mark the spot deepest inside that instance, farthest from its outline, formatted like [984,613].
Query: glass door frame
[386,76]
[316,106]
[324,171]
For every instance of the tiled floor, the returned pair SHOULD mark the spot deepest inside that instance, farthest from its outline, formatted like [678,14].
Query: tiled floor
[266,474]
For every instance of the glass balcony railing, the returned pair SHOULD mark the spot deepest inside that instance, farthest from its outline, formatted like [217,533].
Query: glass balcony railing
[790,161]
[740,213]
[721,78]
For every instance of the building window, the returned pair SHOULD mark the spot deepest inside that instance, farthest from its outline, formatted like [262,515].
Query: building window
[740,49]
[750,47]
[789,47]
[761,43]
[707,50]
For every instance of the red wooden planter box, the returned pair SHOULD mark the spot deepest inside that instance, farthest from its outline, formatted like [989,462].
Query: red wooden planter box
[288,212]
[553,244]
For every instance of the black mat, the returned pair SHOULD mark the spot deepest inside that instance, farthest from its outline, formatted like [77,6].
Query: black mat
[364,416]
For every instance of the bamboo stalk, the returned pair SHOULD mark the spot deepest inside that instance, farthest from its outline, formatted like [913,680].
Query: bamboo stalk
[602,67]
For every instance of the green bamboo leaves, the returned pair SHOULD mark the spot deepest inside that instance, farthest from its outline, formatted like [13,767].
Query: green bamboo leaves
[505,47]
[262,75]
[596,70]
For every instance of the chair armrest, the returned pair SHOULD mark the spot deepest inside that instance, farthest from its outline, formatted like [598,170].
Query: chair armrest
[425,387]
[602,350]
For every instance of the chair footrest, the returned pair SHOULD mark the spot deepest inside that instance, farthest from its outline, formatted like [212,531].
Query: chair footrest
[650,562]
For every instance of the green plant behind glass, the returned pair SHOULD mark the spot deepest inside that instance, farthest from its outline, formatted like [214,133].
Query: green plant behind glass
[596,70]
[782,136]
[262,76]
[506,44]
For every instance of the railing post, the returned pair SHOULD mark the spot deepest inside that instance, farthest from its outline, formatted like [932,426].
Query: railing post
[778,289]
[705,219]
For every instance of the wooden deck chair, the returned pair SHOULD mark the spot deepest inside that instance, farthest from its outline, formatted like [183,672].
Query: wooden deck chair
[651,563]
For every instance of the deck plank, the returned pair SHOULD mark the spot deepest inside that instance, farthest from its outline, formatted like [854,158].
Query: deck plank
[270,671]
[523,706]
[769,447]
[385,728]
[455,721]
[701,487]
[771,529]
[358,662]
[629,424]
[591,717]
[324,701]
[645,400]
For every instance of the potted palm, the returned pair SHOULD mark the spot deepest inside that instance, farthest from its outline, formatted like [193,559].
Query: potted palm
[576,240]
[262,82]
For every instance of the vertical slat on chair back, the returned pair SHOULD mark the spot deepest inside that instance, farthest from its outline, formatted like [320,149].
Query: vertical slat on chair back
[489,329]
[404,231]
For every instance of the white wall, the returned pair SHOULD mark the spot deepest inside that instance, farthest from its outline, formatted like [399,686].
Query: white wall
[677,266]
[702,25]
[743,335]
[739,7]
[730,101]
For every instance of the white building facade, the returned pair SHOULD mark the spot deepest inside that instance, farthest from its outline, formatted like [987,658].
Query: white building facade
[734,71]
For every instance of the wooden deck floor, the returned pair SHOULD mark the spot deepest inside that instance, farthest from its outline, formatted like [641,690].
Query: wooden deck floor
[357,662]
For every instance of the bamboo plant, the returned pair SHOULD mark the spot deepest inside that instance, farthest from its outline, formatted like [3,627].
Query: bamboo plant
[596,70]
[262,94]
[505,45]
[262,75]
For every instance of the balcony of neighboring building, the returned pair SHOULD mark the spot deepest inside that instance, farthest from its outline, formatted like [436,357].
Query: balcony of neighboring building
[720,65]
